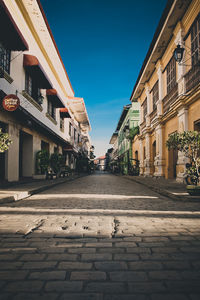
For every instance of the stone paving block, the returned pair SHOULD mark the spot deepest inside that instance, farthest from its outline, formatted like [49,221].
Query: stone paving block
[106,287]
[155,239]
[74,266]
[62,257]
[161,275]
[111,250]
[10,275]
[145,265]
[138,250]
[128,276]
[146,287]
[151,245]
[24,286]
[50,275]
[165,250]
[183,286]
[8,257]
[98,245]
[70,245]
[35,296]
[176,265]
[190,274]
[126,297]
[111,265]
[196,265]
[10,265]
[96,257]
[132,239]
[125,244]
[85,296]
[5,296]
[32,257]
[39,265]
[190,249]
[126,257]
[63,286]
[169,296]
[156,256]
[88,275]
[81,250]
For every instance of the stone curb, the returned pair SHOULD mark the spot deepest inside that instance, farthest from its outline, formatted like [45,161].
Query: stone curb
[25,194]
[163,192]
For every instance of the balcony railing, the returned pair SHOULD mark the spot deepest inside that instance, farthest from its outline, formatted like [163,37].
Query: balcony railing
[153,114]
[169,98]
[192,78]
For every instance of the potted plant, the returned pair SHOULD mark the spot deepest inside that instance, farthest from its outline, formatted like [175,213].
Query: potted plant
[188,142]
[5,141]
[42,164]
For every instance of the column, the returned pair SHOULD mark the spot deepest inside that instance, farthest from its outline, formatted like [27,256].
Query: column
[141,158]
[160,89]
[159,161]
[182,160]
[179,35]
[147,162]
[12,155]
[148,105]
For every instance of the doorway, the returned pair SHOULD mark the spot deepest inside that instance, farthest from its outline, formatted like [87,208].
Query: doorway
[25,155]
[172,162]
[154,156]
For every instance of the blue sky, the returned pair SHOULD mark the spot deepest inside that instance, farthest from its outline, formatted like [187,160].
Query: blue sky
[103,44]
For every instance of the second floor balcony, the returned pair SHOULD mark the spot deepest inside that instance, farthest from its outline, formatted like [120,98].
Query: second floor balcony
[170,98]
[192,77]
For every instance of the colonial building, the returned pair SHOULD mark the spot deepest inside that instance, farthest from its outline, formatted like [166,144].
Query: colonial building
[128,120]
[48,115]
[168,89]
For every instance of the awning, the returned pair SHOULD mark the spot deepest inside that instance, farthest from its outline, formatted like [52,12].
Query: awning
[70,148]
[54,97]
[33,67]
[64,113]
[10,35]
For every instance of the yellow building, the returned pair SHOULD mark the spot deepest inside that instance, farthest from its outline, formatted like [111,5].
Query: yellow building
[169,91]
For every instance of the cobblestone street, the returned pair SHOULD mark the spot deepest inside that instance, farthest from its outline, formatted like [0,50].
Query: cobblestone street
[100,237]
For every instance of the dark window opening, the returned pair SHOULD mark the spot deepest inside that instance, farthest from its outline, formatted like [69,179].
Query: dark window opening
[5,58]
[171,74]
[155,94]
[31,87]
[195,41]
[51,109]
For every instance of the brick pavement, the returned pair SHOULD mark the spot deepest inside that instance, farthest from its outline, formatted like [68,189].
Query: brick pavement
[144,248]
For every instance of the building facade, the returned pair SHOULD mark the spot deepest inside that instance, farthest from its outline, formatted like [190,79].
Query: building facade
[169,91]
[48,117]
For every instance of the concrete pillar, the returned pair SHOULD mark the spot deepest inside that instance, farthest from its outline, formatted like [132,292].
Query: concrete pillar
[12,157]
[148,105]
[179,40]
[141,158]
[159,161]
[147,162]
[160,90]
[182,160]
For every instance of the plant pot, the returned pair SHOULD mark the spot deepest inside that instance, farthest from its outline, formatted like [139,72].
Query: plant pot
[193,190]
[39,176]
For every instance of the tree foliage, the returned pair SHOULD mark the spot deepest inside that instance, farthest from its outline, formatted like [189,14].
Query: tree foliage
[187,142]
[5,141]
[133,132]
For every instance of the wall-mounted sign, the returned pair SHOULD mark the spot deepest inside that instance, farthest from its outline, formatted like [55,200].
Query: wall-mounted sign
[11,102]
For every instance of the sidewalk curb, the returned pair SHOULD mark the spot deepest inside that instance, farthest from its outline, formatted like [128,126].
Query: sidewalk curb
[25,194]
[164,192]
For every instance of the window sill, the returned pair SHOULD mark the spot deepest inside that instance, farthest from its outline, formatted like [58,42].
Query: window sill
[31,100]
[5,75]
[51,119]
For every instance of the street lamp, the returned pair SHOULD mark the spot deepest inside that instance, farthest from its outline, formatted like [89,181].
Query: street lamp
[178,53]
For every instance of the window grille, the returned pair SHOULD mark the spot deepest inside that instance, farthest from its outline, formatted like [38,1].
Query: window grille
[5,58]
[171,74]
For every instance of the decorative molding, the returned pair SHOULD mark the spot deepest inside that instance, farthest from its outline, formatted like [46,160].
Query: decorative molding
[31,100]
[51,119]
[5,75]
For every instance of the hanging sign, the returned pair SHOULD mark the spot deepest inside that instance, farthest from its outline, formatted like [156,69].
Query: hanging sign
[11,102]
